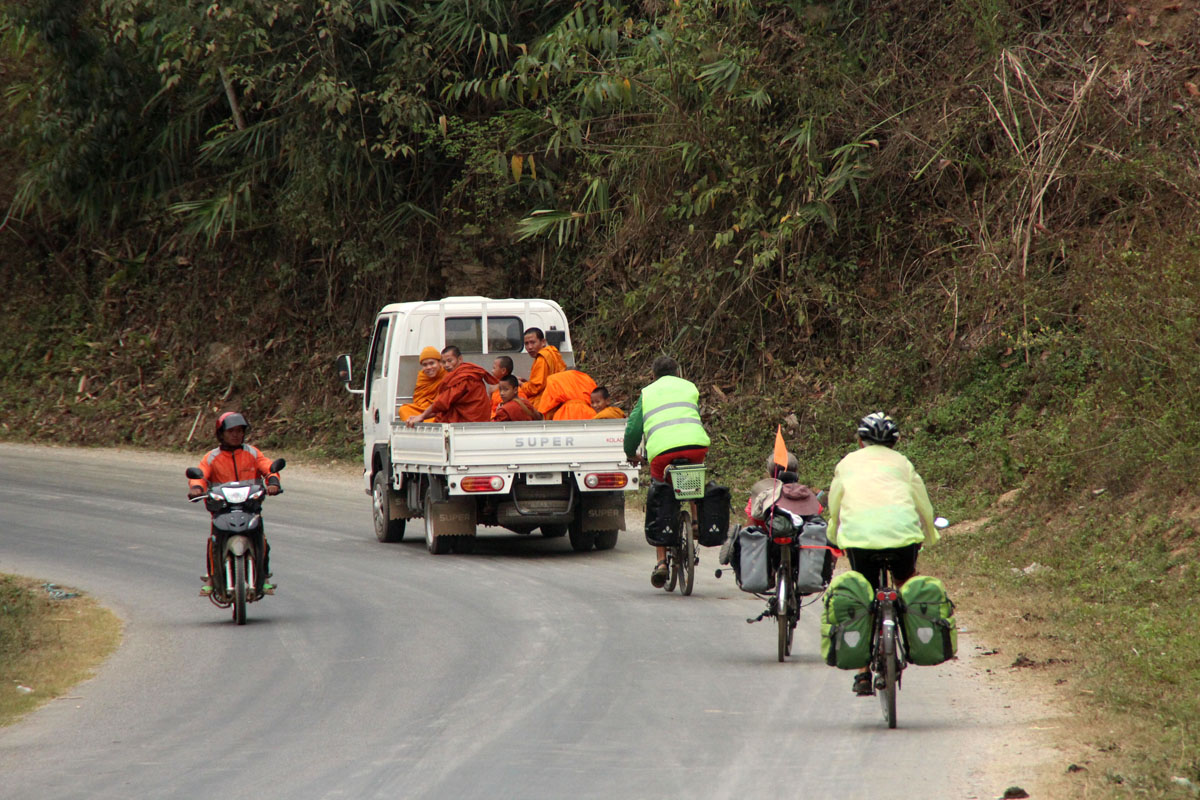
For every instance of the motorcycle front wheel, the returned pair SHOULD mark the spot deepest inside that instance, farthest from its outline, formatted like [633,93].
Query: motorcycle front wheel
[237,564]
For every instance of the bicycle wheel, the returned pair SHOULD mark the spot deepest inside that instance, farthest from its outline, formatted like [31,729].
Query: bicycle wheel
[782,598]
[687,554]
[887,669]
[673,558]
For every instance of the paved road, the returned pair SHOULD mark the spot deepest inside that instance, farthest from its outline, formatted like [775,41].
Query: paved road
[379,671]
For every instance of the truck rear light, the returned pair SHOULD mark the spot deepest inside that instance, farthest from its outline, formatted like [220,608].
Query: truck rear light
[482,483]
[605,480]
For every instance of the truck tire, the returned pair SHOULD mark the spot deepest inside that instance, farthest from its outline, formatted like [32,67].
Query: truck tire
[606,540]
[438,545]
[581,540]
[386,529]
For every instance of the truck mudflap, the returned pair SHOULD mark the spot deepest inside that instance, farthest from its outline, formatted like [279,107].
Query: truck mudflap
[602,511]
[454,516]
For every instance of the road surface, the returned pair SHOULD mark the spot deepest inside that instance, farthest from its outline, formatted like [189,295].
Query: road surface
[379,671]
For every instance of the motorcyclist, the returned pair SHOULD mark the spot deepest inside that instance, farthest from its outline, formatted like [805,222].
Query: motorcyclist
[667,414]
[879,509]
[233,460]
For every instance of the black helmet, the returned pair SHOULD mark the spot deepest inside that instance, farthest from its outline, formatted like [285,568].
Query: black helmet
[231,419]
[878,428]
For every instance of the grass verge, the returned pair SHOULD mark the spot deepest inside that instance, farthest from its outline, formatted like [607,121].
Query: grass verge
[1094,602]
[49,641]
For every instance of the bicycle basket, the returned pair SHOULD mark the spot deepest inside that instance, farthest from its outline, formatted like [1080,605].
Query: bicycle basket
[687,481]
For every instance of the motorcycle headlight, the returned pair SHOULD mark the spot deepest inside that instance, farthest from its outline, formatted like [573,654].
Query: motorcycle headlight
[237,494]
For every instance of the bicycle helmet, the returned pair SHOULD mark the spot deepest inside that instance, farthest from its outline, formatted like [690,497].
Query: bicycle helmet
[230,419]
[878,428]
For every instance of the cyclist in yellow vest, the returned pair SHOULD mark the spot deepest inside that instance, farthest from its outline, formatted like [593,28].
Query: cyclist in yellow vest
[878,508]
[667,415]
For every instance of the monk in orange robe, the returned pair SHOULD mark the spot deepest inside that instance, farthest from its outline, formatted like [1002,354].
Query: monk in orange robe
[463,396]
[600,404]
[503,365]
[567,396]
[513,408]
[546,362]
[429,380]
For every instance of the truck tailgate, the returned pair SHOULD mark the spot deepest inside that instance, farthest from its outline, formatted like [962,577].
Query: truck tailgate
[511,444]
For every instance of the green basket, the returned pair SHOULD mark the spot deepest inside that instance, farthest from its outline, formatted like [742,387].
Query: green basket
[687,481]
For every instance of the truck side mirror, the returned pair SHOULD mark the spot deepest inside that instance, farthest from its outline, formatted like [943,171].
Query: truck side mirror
[342,365]
[555,337]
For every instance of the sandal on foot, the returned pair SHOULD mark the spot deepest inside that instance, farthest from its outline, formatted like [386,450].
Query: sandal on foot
[658,578]
[862,684]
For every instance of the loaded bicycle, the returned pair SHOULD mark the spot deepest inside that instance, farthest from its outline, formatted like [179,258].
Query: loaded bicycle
[687,481]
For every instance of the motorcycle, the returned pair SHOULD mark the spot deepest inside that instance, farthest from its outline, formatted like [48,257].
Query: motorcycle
[236,509]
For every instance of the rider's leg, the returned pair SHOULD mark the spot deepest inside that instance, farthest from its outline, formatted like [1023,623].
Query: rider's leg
[658,578]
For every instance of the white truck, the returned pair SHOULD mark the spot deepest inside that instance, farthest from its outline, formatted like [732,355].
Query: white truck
[564,478]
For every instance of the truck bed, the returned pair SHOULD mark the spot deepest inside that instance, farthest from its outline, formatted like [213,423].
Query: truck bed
[525,446]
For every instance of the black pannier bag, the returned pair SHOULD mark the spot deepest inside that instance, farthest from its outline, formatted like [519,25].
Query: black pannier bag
[714,516]
[662,515]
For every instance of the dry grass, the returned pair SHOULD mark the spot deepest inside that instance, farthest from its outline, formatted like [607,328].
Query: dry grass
[47,645]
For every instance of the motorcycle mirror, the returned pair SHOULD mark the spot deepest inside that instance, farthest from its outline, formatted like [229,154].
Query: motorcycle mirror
[941,523]
[278,464]
[194,473]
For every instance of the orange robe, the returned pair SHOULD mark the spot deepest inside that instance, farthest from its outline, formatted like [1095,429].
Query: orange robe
[568,396]
[464,396]
[515,411]
[611,412]
[424,393]
[547,362]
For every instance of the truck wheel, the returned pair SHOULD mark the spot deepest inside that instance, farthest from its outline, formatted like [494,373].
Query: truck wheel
[554,531]
[606,540]
[581,541]
[386,529]
[438,545]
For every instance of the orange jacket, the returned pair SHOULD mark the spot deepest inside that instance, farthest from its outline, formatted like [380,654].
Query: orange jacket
[463,397]
[243,464]
[567,396]
[547,362]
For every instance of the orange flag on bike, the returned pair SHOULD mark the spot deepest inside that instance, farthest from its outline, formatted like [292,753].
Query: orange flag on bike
[781,453]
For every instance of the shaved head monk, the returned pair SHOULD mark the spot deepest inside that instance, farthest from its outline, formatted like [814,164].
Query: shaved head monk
[546,361]
[463,397]
[513,408]
[600,404]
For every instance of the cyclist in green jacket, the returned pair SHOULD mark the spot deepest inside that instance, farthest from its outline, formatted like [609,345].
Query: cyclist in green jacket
[879,510]
[667,415]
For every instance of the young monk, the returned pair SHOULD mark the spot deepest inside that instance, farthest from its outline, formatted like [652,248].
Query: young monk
[503,365]
[600,404]
[429,380]
[567,396]
[513,408]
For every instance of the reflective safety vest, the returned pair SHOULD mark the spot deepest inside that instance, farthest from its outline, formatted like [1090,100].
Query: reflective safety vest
[671,416]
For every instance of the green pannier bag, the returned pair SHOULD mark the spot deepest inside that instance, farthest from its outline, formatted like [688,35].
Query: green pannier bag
[846,621]
[929,627]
